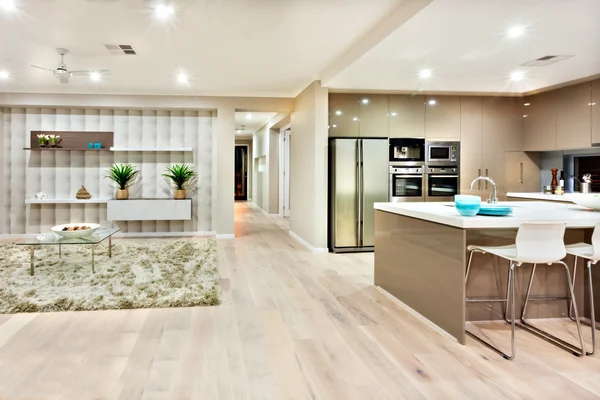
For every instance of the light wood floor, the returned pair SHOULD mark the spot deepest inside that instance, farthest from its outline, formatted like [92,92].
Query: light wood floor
[293,325]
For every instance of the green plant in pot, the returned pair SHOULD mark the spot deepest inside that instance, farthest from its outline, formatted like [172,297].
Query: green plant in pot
[123,175]
[181,175]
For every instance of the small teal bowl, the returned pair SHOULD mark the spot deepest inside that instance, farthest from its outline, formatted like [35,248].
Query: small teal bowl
[467,205]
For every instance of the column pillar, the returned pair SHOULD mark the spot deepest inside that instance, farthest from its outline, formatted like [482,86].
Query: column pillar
[223,209]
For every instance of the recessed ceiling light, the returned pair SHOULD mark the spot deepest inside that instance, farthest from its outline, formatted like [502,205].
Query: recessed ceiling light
[164,11]
[526,104]
[517,76]
[7,5]
[525,116]
[338,112]
[249,116]
[355,119]
[591,104]
[182,78]
[424,74]
[394,114]
[515,32]
[238,131]
[4,75]
[365,101]
[95,76]
[334,125]
[432,102]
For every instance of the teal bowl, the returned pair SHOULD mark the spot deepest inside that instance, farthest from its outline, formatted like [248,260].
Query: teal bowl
[467,198]
[467,209]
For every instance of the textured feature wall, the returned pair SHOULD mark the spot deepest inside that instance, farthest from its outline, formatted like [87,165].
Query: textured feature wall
[61,174]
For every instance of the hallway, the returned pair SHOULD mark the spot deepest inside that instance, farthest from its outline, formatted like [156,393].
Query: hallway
[293,325]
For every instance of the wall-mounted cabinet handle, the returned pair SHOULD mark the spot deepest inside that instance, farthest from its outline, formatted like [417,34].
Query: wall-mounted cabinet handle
[486,182]
[479,182]
[521,179]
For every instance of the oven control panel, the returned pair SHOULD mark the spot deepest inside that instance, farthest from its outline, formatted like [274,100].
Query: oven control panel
[442,170]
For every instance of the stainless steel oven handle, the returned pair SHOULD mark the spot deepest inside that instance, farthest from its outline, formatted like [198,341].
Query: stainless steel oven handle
[407,176]
[443,176]
[521,166]
[479,181]
[486,182]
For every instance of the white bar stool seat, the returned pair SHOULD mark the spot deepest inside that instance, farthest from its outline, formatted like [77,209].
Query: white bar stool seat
[591,253]
[536,243]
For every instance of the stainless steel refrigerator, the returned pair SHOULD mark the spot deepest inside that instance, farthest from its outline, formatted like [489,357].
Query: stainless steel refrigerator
[358,177]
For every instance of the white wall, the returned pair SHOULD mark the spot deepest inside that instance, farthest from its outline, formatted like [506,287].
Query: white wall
[265,148]
[61,174]
[308,166]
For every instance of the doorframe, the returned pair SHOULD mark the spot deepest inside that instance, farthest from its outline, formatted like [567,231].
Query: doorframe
[248,166]
[284,161]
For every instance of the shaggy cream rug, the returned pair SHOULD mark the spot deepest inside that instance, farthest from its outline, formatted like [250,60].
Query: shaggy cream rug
[140,274]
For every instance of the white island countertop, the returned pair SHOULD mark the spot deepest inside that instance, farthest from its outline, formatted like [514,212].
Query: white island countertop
[538,196]
[523,211]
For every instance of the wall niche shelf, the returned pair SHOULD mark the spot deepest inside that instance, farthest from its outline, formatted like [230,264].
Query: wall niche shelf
[150,149]
[73,140]
[66,201]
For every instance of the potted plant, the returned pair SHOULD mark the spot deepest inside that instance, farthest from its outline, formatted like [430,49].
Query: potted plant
[123,175]
[181,175]
[42,140]
[54,140]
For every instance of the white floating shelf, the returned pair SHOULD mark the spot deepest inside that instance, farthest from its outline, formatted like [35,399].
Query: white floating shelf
[66,201]
[161,149]
[149,210]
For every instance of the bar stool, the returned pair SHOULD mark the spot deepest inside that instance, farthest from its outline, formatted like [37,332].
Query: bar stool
[591,253]
[536,243]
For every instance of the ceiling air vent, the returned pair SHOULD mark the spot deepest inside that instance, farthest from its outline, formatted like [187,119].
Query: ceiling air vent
[121,49]
[546,60]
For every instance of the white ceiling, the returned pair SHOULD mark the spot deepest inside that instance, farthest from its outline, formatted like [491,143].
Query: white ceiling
[464,43]
[228,47]
[248,127]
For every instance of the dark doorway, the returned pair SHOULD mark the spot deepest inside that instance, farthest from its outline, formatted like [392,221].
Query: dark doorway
[241,173]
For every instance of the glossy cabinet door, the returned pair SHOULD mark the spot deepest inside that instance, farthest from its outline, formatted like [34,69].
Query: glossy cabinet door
[442,117]
[596,112]
[502,131]
[574,116]
[344,113]
[407,116]
[540,122]
[522,172]
[471,144]
[373,118]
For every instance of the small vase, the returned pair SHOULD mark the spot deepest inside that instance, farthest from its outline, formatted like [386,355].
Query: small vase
[122,194]
[179,194]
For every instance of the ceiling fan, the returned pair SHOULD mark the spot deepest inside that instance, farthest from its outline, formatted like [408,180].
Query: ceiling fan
[63,74]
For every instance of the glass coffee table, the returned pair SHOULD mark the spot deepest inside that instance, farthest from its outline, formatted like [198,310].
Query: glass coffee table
[52,239]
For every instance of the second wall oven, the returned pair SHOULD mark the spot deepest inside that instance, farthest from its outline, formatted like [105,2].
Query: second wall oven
[443,183]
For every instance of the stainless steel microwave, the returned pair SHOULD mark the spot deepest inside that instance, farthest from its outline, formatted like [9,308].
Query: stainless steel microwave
[442,153]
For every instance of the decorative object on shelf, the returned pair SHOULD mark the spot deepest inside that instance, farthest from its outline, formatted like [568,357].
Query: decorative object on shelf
[40,196]
[123,175]
[586,183]
[42,140]
[97,145]
[90,145]
[54,140]
[182,176]
[83,194]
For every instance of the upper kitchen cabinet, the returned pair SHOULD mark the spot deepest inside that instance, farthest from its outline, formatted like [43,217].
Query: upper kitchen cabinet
[539,112]
[374,116]
[574,116]
[407,116]
[442,117]
[344,113]
[595,106]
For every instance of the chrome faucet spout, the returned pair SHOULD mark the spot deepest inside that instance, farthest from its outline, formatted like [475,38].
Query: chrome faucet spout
[493,196]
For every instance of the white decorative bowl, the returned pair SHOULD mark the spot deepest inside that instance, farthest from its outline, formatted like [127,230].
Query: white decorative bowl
[587,200]
[58,229]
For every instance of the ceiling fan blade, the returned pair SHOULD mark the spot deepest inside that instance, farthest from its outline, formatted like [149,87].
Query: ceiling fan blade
[45,69]
[89,72]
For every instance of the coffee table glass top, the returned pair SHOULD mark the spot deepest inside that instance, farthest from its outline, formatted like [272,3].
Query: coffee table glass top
[52,238]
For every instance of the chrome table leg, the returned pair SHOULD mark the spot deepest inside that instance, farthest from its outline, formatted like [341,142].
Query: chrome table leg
[110,246]
[32,261]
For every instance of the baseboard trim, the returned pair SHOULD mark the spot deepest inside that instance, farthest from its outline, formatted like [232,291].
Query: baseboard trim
[308,245]
[416,314]
[225,236]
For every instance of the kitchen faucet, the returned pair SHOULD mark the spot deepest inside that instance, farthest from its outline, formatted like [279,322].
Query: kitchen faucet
[492,199]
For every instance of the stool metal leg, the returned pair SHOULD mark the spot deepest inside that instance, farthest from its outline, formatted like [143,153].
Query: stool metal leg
[574,276]
[547,336]
[592,312]
[510,299]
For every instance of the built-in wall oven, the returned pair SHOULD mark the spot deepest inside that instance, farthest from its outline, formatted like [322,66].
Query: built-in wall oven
[443,183]
[407,151]
[442,153]
[407,184]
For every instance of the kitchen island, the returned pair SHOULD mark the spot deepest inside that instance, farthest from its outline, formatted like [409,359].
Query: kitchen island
[421,257]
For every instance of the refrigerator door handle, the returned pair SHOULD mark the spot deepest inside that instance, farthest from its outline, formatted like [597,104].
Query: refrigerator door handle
[361,195]
[358,192]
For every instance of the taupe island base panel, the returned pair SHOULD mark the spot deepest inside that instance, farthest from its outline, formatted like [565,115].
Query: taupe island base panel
[421,257]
